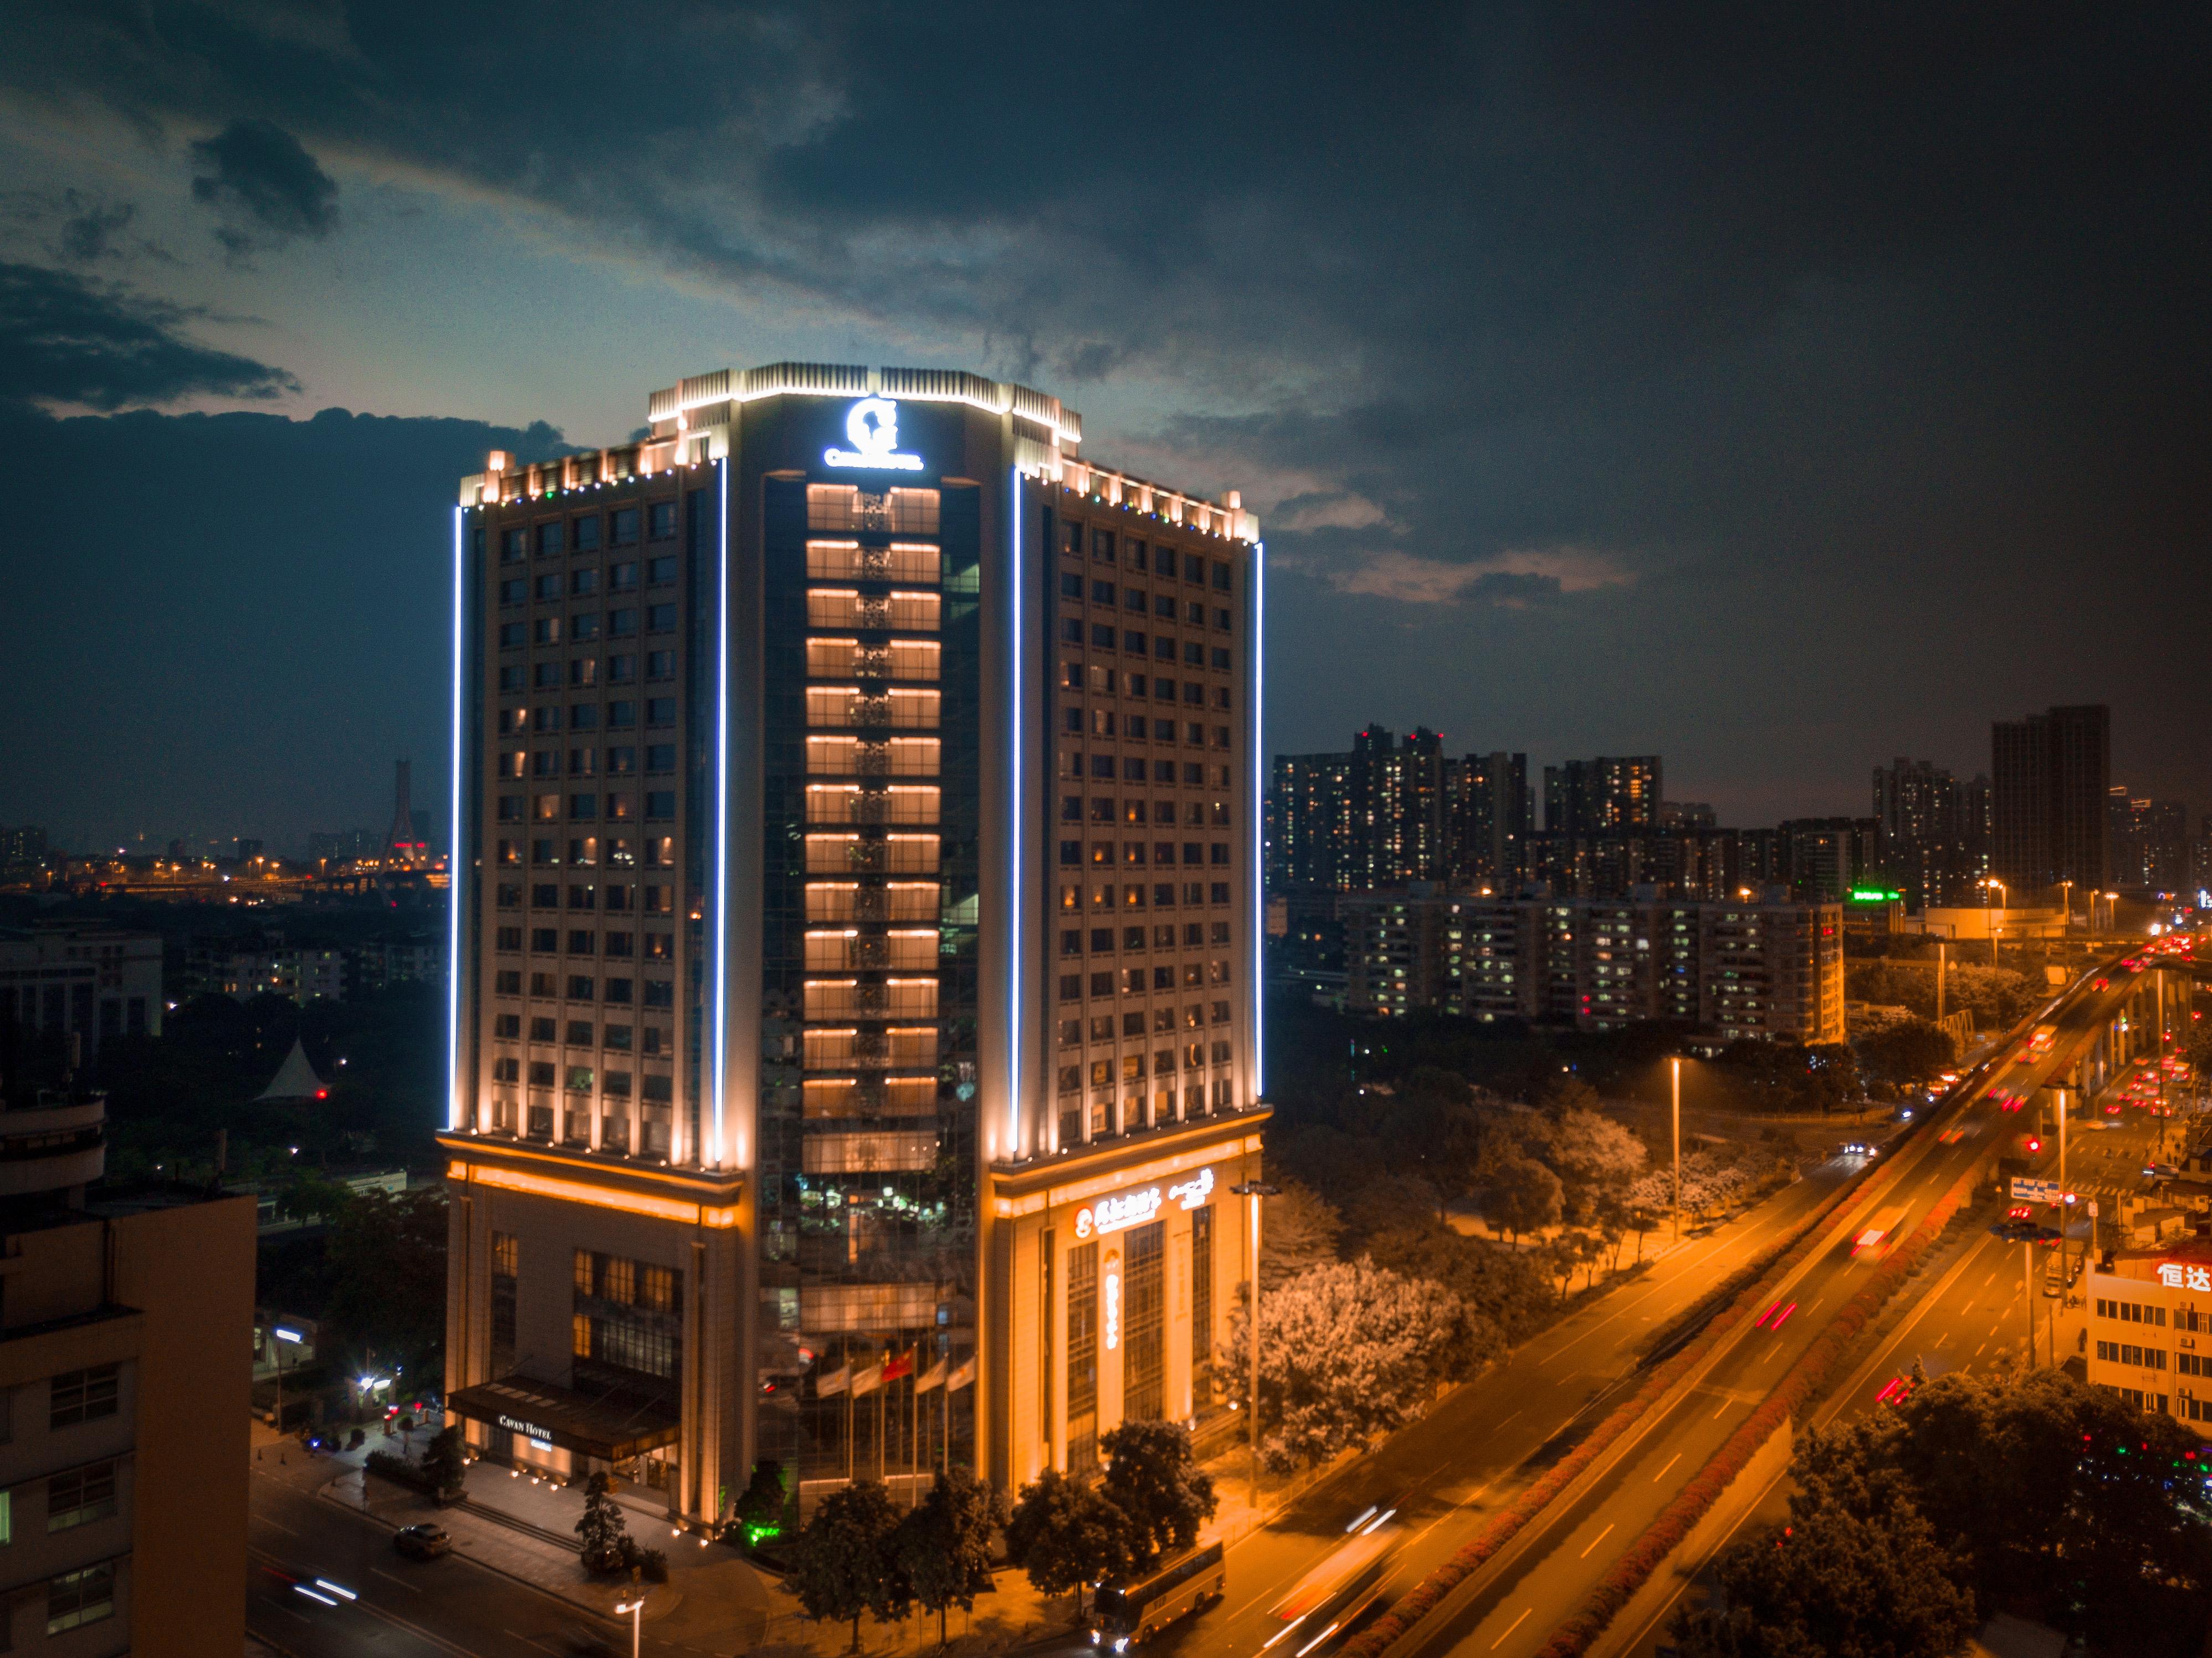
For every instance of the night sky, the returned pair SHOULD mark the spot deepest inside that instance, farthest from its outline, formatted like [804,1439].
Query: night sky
[1778,388]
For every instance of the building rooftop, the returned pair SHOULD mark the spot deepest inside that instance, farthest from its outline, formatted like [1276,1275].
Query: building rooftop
[1047,430]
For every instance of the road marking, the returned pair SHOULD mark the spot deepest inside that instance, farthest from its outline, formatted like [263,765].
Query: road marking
[412,1589]
[1502,1420]
[1990,1279]
[1725,1403]
[1978,1351]
[1671,1461]
[527,1642]
[277,1524]
[1510,1627]
[1595,1541]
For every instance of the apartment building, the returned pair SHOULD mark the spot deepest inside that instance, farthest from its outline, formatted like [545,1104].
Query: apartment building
[1766,967]
[854,1021]
[125,1334]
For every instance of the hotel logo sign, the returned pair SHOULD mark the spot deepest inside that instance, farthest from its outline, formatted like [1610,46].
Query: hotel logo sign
[527,1429]
[1127,1209]
[871,428]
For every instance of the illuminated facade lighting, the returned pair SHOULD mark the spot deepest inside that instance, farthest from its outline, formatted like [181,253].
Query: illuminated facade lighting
[783,1045]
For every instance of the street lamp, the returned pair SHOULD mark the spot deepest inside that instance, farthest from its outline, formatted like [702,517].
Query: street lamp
[2066,891]
[1255,1190]
[636,1610]
[1675,1065]
[1988,919]
[285,1339]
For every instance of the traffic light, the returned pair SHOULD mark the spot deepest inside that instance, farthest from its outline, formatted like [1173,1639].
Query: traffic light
[2034,1144]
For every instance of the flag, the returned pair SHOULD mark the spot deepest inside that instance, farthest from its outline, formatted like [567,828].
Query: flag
[900,1366]
[832,1381]
[963,1377]
[932,1377]
[868,1380]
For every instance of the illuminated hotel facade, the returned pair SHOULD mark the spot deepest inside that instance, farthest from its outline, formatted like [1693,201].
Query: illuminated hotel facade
[854,1028]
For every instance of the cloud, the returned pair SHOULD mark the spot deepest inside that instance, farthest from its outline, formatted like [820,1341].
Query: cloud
[74,227]
[265,185]
[66,340]
[1509,580]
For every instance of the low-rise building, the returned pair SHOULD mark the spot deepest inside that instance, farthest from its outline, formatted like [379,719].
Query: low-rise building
[93,982]
[2150,1329]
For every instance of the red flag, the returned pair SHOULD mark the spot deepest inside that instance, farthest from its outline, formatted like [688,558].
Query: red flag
[903,1365]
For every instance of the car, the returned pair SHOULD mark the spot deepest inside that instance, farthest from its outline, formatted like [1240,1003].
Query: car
[422,1542]
[1896,1390]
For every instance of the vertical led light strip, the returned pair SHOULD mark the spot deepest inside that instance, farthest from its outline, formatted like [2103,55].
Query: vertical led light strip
[1013,1148]
[1259,820]
[454,850]
[722,813]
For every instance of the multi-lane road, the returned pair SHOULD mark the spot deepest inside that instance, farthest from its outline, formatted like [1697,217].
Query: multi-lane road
[1447,1477]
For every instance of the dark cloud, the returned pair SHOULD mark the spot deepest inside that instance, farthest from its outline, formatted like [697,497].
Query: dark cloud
[234,622]
[266,185]
[68,340]
[1836,333]
[74,227]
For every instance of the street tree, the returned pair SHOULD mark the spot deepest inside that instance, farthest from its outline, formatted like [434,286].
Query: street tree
[944,1546]
[1432,1133]
[1301,1233]
[1066,1534]
[386,1254]
[1152,1476]
[1348,1354]
[2065,1497]
[445,1460]
[1837,1580]
[600,1528]
[1906,1051]
[843,1564]
[1591,1154]
[1522,1196]
[1501,1293]
[760,1506]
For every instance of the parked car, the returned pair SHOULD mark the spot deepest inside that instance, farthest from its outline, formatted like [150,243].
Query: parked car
[422,1542]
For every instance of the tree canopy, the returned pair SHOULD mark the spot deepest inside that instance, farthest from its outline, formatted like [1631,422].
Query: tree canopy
[1065,1534]
[2034,1493]
[1348,1353]
[944,1546]
[1152,1478]
[844,1563]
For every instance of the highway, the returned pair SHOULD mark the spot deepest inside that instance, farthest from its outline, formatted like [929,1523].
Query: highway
[1973,1312]
[1514,1605]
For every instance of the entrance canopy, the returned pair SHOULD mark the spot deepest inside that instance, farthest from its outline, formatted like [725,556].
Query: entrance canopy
[610,1427]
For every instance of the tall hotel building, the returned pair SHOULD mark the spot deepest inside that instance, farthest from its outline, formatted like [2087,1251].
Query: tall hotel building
[854,1031]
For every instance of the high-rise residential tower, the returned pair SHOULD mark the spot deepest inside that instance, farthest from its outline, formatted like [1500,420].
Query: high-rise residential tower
[856,928]
[1602,796]
[1496,816]
[2050,779]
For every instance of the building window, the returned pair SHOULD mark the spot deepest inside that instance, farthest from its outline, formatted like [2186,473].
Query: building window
[1202,1307]
[80,1495]
[1143,1343]
[78,1396]
[80,1597]
[1083,1358]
